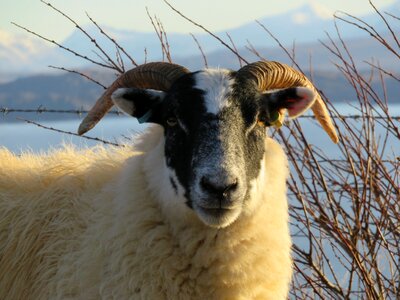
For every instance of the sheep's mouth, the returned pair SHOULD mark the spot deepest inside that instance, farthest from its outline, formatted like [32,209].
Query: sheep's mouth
[217,217]
[215,212]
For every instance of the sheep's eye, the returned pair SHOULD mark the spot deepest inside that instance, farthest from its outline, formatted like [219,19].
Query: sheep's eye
[262,120]
[261,123]
[274,119]
[172,121]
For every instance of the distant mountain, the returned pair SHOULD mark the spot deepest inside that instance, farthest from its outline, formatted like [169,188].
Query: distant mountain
[304,25]
[69,91]
[17,51]
[365,51]
[22,53]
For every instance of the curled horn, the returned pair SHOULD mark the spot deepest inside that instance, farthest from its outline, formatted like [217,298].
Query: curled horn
[273,75]
[158,76]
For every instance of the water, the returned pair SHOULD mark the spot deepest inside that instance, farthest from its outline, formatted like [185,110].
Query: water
[19,137]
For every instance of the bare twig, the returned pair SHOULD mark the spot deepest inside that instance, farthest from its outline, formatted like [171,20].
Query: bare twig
[64,48]
[367,28]
[201,50]
[206,30]
[386,23]
[383,70]
[253,50]
[234,47]
[71,133]
[93,40]
[279,43]
[162,36]
[79,73]
[117,45]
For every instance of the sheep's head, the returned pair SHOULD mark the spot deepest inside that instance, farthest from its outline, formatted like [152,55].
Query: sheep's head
[214,125]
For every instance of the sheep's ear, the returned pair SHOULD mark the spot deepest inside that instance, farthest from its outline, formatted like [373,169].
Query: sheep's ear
[296,100]
[143,104]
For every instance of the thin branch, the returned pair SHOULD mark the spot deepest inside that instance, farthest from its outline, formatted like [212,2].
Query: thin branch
[93,40]
[383,70]
[71,133]
[161,36]
[64,48]
[234,47]
[279,44]
[206,30]
[386,23]
[253,50]
[79,73]
[112,40]
[201,50]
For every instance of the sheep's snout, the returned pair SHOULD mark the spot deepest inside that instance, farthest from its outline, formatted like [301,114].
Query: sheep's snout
[221,193]
[219,198]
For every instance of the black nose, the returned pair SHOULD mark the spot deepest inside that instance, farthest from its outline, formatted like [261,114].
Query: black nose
[219,189]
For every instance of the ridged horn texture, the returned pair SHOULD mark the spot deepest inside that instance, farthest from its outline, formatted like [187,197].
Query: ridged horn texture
[156,75]
[273,75]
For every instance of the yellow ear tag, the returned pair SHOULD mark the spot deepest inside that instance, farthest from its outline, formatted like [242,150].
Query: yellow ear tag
[276,119]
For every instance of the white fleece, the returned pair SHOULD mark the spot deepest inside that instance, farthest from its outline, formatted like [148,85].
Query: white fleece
[101,224]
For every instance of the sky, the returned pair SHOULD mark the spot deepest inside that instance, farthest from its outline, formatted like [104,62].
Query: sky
[131,14]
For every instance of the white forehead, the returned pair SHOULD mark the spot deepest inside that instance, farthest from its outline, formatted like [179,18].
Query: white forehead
[217,85]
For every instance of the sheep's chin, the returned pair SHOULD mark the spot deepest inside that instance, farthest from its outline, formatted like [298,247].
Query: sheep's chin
[217,218]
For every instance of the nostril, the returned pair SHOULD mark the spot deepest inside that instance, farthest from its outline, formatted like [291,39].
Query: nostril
[218,188]
[231,187]
[208,186]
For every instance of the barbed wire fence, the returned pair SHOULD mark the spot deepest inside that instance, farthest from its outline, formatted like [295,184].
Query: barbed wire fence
[80,112]
[4,111]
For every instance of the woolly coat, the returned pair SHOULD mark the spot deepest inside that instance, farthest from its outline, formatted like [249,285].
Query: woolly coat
[94,224]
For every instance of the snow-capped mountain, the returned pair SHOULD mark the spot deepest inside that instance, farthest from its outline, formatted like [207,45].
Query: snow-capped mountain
[306,24]
[17,51]
[23,53]
[20,46]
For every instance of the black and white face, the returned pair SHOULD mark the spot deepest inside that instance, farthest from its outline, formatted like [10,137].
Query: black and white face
[214,129]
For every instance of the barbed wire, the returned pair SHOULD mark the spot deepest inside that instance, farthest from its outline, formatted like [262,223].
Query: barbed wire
[396,160]
[355,117]
[79,112]
[42,109]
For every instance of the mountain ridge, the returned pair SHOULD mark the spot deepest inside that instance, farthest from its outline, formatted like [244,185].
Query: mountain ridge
[304,24]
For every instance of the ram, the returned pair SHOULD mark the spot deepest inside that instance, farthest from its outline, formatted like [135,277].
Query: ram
[195,209]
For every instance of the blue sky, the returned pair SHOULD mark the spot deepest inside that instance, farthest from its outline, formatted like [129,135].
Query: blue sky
[131,14]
